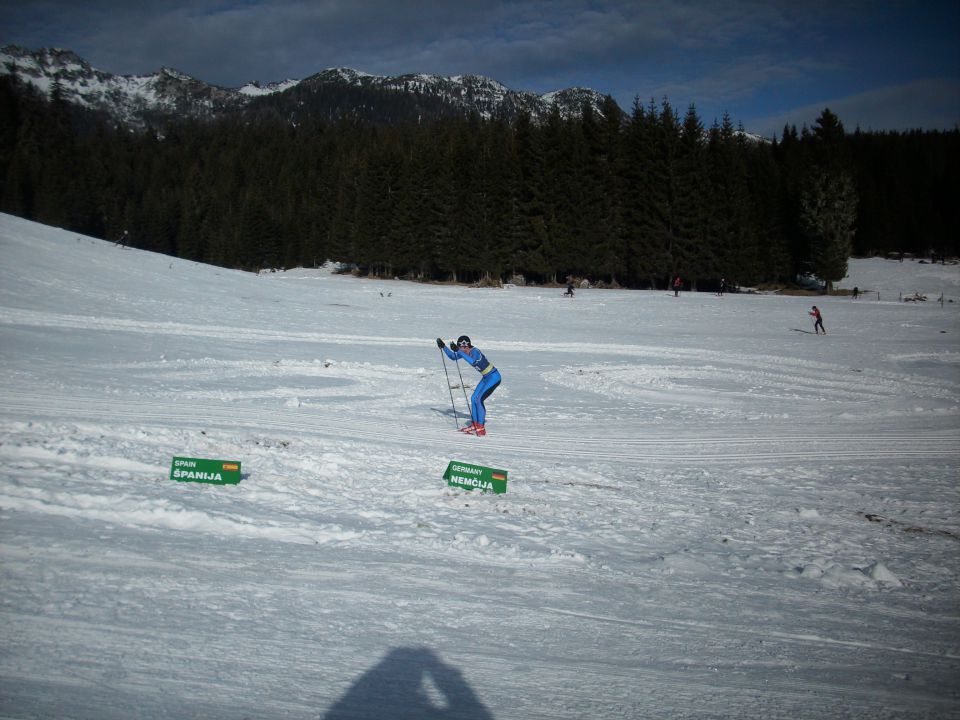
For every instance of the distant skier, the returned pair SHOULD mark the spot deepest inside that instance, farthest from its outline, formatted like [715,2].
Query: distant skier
[817,320]
[569,291]
[723,286]
[677,284]
[489,381]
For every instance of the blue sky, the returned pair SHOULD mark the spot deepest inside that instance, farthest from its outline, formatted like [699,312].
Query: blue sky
[882,65]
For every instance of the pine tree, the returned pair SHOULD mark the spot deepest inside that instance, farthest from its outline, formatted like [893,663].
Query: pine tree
[641,195]
[828,201]
[828,211]
[692,248]
[605,147]
[765,190]
[524,219]
[661,220]
[558,252]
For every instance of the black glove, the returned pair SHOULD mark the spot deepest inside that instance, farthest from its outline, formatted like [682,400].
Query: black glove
[453,346]
[440,343]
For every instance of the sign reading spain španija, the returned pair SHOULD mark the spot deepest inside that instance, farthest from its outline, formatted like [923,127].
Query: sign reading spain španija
[215,472]
[475,477]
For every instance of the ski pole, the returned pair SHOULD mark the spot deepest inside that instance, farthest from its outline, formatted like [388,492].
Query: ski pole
[469,409]
[456,419]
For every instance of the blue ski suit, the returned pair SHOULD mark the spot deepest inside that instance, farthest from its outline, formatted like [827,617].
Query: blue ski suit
[488,382]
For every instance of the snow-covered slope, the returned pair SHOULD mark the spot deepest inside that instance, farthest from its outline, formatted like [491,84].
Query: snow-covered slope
[711,512]
[890,280]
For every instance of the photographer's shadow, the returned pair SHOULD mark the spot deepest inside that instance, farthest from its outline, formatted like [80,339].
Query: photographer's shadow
[410,684]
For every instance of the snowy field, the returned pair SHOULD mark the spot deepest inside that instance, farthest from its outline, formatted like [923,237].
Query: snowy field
[712,512]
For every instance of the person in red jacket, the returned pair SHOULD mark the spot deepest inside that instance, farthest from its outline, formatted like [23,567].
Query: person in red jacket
[817,320]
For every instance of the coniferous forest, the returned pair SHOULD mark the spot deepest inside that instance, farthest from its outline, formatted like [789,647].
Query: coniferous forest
[622,199]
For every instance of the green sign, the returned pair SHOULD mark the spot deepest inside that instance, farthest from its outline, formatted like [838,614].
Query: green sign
[216,472]
[475,477]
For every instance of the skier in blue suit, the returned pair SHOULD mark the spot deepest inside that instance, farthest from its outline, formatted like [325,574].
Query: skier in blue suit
[489,381]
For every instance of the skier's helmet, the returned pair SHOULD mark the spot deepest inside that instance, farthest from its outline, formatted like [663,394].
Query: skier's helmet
[463,341]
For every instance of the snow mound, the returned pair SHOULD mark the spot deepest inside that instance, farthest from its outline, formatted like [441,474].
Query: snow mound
[879,573]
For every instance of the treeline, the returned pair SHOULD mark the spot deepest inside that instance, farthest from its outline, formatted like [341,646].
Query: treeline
[629,200]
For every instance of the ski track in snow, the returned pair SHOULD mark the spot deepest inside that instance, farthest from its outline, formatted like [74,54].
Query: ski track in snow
[708,515]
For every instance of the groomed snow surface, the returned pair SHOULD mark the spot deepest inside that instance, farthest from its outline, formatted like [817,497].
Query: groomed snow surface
[711,511]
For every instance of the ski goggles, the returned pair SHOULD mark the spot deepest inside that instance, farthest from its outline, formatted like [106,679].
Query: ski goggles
[463,343]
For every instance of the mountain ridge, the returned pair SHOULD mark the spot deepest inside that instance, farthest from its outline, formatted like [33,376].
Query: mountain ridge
[140,100]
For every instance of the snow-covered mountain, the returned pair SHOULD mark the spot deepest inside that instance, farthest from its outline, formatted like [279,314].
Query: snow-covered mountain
[138,99]
[466,93]
[130,99]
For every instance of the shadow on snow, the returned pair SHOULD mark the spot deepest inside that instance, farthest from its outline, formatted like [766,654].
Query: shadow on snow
[409,684]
